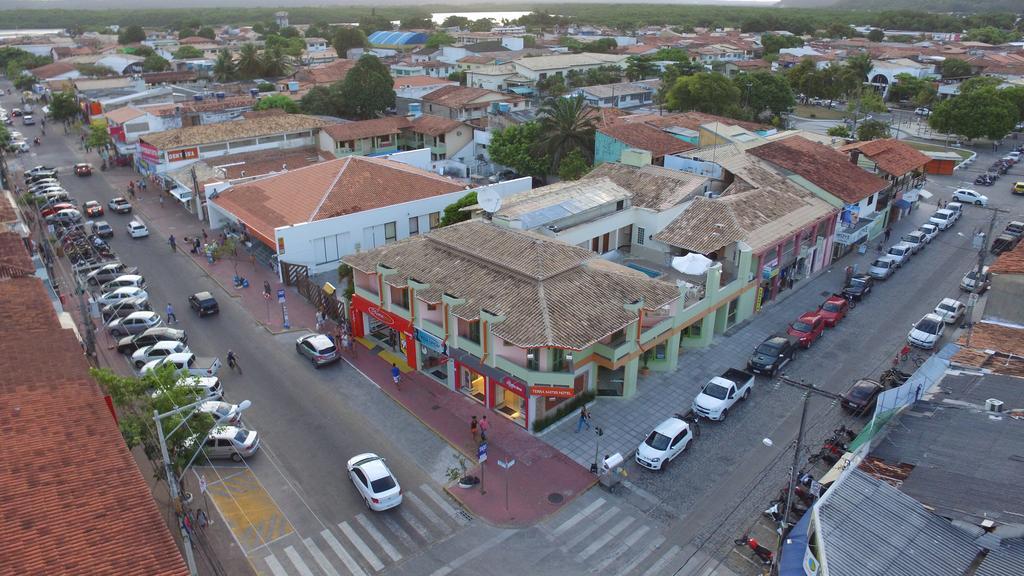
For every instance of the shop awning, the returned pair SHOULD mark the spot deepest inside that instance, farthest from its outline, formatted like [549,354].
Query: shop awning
[902,204]
[791,560]
[924,194]
[521,90]
[181,193]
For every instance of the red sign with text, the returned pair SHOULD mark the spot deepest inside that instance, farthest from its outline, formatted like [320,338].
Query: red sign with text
[183,154]
[552,391]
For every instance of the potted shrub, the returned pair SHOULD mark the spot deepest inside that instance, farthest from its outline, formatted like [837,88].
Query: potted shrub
[644,370]
[459,474]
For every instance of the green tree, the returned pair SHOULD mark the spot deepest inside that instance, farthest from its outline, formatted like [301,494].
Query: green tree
[186,32]
[275,63]
[979,83]
[367,90]
[708,92]
[319,101]
[839,130]
[805,79]
[639,68]
[764,91]
[566,124]
[772,43]
[458,76]
[98,137]
[374,23]
[249,64]
[141,50]
[515,146]
[454,21]
[155,63]
[926,95]
[1015,96]
[131,35]
[670,54]
[438,39]
[955,68]
[345,38]
[859,66]
[603,45]
[905,87]
[978,113]
[5,139]
[574,166]
[551,86]
[989,35]
[290,32]
[288,46]
[876,35]
[137,398]
[454,213]
[64,106]
[416,22]
[186,52]
[224,67]
[482,25]
[278,101]
[25,81]
[872,130]
[207,32]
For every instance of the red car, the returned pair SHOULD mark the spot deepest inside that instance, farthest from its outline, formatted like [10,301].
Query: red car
[808,328]
[833,310]
[55,208]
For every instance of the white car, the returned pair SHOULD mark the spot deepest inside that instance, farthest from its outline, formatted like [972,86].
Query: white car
[923,111]
[124,281]
[115,296]
[136,229]
[950,310]
[21,145]
[231,442]
[943,218]
[927,332]
[930,231]
[376,485]
[664,443]
[223,412]
[901,253]
[970,196]
[143,356]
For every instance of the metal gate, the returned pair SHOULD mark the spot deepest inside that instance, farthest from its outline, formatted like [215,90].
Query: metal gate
[298,275]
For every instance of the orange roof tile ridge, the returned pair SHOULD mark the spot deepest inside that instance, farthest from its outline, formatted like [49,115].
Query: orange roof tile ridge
[323,199]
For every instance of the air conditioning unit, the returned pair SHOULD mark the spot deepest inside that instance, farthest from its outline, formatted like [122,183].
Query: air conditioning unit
[994,405]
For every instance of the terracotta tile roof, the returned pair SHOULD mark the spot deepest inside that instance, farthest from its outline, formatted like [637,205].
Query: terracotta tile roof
[195,40]
[760,217]
[646,137]
[217,104]
[75,501]
[460,96]
[756,64]
[326,73]
[250,114]
[52,69]
[692,121]
[420,80]
[235,130]
[259,163]
[1003,339]
[122,115]
[367,128]
[434,125]
[8,212]
[892,156]
[653,187]
[824,167]
[476,60]
[1011,262]
[328,189]
[169,77]
[550,293]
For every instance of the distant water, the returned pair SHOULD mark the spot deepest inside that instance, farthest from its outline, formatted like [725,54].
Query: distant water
[439,17]
[30,32]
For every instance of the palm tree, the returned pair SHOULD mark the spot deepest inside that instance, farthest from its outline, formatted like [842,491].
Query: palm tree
[249,64]
[567,124]
[860,65]
[224,67]
[275,63]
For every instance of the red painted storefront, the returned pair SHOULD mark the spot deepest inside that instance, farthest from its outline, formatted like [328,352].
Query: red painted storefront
[363,311]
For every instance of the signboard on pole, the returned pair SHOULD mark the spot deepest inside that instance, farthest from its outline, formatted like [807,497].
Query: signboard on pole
[280,295]
[481,453]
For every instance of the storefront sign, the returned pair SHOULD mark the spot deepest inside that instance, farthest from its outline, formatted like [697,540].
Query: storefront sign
[770,269]
[117,133]
[382,316]
[553,391]
[149,152]
[430,341]
[514,386]
[183,154]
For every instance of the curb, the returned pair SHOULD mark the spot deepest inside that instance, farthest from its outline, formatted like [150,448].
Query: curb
[566,502]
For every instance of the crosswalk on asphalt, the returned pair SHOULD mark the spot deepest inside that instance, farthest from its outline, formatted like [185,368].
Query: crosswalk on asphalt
[366,544]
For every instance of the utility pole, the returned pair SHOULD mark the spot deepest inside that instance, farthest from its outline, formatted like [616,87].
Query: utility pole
[982,249]
[172,484]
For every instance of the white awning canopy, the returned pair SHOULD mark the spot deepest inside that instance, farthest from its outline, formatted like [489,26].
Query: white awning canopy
[181,193]
[692,264]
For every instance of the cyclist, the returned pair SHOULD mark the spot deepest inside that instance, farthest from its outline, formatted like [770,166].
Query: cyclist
[233,362]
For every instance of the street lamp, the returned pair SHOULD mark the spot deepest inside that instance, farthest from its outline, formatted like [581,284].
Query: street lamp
[172,482]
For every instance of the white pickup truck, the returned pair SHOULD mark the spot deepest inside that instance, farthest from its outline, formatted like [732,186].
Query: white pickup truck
[721,392]
[186,362]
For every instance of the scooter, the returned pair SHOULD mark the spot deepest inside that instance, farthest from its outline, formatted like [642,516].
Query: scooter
[763,553]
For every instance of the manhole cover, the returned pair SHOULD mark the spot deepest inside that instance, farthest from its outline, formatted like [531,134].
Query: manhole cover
[555,498]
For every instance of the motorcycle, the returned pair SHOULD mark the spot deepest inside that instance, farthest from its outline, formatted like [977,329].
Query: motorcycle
[761,552]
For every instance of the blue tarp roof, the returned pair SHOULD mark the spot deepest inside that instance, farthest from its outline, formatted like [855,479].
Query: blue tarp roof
[397,38]
[791,561]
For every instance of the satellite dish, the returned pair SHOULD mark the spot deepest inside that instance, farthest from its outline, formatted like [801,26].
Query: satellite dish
[489,200]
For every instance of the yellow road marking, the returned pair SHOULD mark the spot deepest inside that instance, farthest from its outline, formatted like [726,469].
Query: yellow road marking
[251,514]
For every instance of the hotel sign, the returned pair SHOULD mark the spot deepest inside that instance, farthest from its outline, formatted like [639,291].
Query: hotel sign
[183,154]
[553,391]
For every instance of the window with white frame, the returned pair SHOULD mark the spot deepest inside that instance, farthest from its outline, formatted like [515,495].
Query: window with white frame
[390,232]
[329,248]
[414,226]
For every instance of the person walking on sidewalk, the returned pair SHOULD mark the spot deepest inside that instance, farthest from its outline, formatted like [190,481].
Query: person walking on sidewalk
[474,429]
[173,243]
[161,198]
[584,420]
[484,427]
[888,233]
[171,318]
[396,374]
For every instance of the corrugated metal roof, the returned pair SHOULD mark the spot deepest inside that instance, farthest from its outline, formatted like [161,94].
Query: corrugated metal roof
[396,38]
[540,206]
[1007,559]
[870,528]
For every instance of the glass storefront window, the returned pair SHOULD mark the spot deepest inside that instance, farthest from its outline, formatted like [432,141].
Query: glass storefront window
[472,384]
[510,404]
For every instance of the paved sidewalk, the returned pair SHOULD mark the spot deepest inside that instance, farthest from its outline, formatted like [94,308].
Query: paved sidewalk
[542,479]
[626,422]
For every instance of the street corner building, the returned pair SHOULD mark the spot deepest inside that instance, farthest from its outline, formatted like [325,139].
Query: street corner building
[74,499]
[516,321]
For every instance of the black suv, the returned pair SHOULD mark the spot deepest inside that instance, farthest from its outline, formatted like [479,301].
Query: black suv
[858,286]
[203,303]
[772,354]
